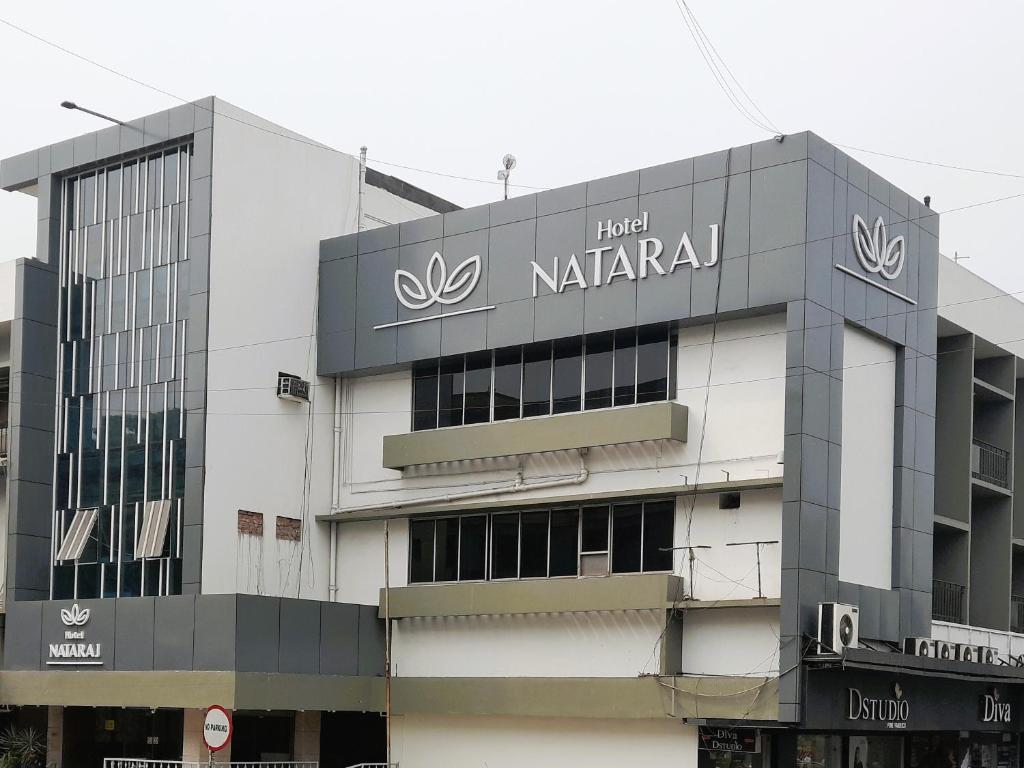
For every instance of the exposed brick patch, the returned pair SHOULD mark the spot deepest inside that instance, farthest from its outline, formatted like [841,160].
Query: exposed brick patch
[289,529]
[250,523]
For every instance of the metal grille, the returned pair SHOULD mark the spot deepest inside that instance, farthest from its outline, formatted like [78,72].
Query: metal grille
[948,601]
[128,762]
[990,464]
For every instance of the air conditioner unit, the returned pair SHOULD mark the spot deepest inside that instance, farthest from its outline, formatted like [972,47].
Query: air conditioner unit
[919,646]
[837,627]
[292,388]
[945,650]
[987,655]
[966,652]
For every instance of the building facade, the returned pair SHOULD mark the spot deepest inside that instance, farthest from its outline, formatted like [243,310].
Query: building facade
[590,468]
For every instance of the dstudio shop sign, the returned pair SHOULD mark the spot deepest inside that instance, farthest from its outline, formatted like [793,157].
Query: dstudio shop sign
[605,264]
[892,711]
[75,650]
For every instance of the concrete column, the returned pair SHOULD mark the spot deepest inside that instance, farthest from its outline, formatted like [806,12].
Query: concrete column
[193,748]
[307,736]
[55,737]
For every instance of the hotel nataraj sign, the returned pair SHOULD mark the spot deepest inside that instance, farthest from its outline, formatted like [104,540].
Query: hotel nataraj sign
[74,649]
[611,260]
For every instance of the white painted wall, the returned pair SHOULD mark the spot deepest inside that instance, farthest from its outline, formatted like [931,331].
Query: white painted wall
[273,201]
[1005,642]
[514,742]
[866,490]
[978,306]
[593,644]
[731,641]
[360,564]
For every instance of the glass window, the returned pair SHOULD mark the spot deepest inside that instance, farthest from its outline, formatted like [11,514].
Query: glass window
[567,375]
[421,551]
[88,581]
[659,519]
[131,579]
[110,580]
[478,388]
[142,281]
[161,277]
[450,392]
[92,479]
[508,380]
[504,546]
[652,364]
[64,582]
[626,533]
[118,289]
[113,475]
[151,581]
[533,555]
[599,371]
[134,472]
[537,380]
[625,366]
[446,548]
[473,548]
[594,529]
[565,531]
[424,397]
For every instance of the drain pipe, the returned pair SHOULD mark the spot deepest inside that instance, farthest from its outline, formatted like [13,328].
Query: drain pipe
[518,485]
[332,589]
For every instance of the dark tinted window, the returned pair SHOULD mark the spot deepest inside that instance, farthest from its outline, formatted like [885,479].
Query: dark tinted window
[88,581]
[504,546]
[565,528]
[652,364]
[473,548]
[537,380]
[478,388]
[424,396]
[446,548]
[131,579]
[659,517]
[594,529]
[63,582]
[421,550]
[533,559]
[450,392]
[625,367]
[599,371]
[568,374]
[508,375]
[626,527]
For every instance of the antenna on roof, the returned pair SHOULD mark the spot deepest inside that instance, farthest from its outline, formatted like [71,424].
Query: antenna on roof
[509,161]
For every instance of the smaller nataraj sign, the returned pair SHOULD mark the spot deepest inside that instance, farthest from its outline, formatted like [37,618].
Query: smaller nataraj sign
[217,728]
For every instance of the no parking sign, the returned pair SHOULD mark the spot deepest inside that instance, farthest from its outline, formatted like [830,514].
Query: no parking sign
[217,728]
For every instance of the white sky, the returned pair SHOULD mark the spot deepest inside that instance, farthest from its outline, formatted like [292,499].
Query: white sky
[576,90]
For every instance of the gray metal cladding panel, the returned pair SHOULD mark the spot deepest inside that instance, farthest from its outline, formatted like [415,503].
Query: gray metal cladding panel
[35,296]
[35,397]
[28,565]
[23,634]
[339,639]
[299,647]
[371,641]
[215,631]
[30,505]
[174,631]
[134,633]
[257,633]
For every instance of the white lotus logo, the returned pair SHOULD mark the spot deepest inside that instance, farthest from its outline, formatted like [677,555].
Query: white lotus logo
[875,252]
[440,288]
[75,616]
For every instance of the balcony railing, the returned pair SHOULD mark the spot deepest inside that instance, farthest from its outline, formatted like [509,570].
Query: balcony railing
[990,464]
[1017,613]
[948,601]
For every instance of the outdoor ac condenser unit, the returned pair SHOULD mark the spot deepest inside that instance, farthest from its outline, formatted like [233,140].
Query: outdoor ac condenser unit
[838,626]
[919,646]
[292,388]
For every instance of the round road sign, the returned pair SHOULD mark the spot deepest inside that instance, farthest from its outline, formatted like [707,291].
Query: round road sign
[217,728]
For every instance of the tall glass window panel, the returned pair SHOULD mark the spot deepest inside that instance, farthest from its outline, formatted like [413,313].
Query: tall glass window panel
[567,375]
[88,581]
[424,387]
[63,582]
[508,382]
[478,388]
[594,529]
[625,366]
[659,522]
[143,294]
[533,553]
[446,550]
[161,277]
[151,578]
[565,527]
[673,362]
[421,551]
[135,472]
[92,479]
[451,383]
[473,548]
[598,389]
[537,379]
[505,546]
[626,533]
[652,364]
[131,579]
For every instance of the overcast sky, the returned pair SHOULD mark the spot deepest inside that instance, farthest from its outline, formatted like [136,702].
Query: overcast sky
[576,90]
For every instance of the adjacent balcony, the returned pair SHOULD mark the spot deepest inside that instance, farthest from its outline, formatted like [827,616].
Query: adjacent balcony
[948,601]
[990,464]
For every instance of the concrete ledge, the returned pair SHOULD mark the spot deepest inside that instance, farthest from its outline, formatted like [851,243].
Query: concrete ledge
[745,698]
[654,591]
[567,431]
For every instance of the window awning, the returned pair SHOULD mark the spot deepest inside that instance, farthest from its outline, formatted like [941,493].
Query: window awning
[77,535]
[154,529]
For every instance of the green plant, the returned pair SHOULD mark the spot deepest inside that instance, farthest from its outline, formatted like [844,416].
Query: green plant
[21,748]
